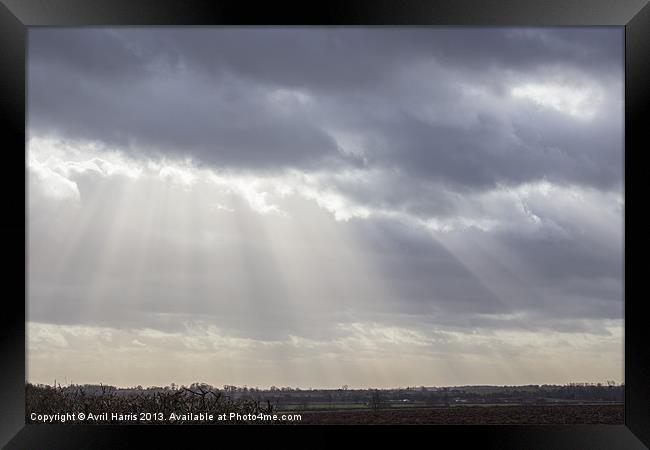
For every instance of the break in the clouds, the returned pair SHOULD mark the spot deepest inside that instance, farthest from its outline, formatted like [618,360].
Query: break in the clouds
[325,206]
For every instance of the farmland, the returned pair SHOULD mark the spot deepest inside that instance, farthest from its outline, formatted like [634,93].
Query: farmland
[202,403]
[473,415]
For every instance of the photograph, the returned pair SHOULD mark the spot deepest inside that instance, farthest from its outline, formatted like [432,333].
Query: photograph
[325,225]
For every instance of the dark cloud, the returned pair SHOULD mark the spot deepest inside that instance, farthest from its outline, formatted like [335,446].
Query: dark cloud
[170,120]
[232,97]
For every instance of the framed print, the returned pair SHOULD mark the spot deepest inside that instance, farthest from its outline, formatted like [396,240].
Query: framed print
[291,219]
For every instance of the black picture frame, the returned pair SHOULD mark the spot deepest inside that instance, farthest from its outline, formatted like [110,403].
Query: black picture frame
[17,15]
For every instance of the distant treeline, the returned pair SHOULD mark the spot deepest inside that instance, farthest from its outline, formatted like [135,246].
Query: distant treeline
[428,396]
[288,397]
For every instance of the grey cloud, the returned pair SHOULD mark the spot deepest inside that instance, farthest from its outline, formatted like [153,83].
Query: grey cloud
[87,53]
[204,93]
[362,58]
[170,120]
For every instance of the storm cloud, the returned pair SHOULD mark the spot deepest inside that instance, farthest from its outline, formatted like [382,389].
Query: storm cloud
[288,189]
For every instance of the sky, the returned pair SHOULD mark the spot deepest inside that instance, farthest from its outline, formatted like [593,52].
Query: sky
[314,207]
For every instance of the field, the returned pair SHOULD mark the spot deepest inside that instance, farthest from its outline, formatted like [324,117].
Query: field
[178,406]
[473,415]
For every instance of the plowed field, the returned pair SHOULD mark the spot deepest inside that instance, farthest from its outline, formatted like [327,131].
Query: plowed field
[473,415]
